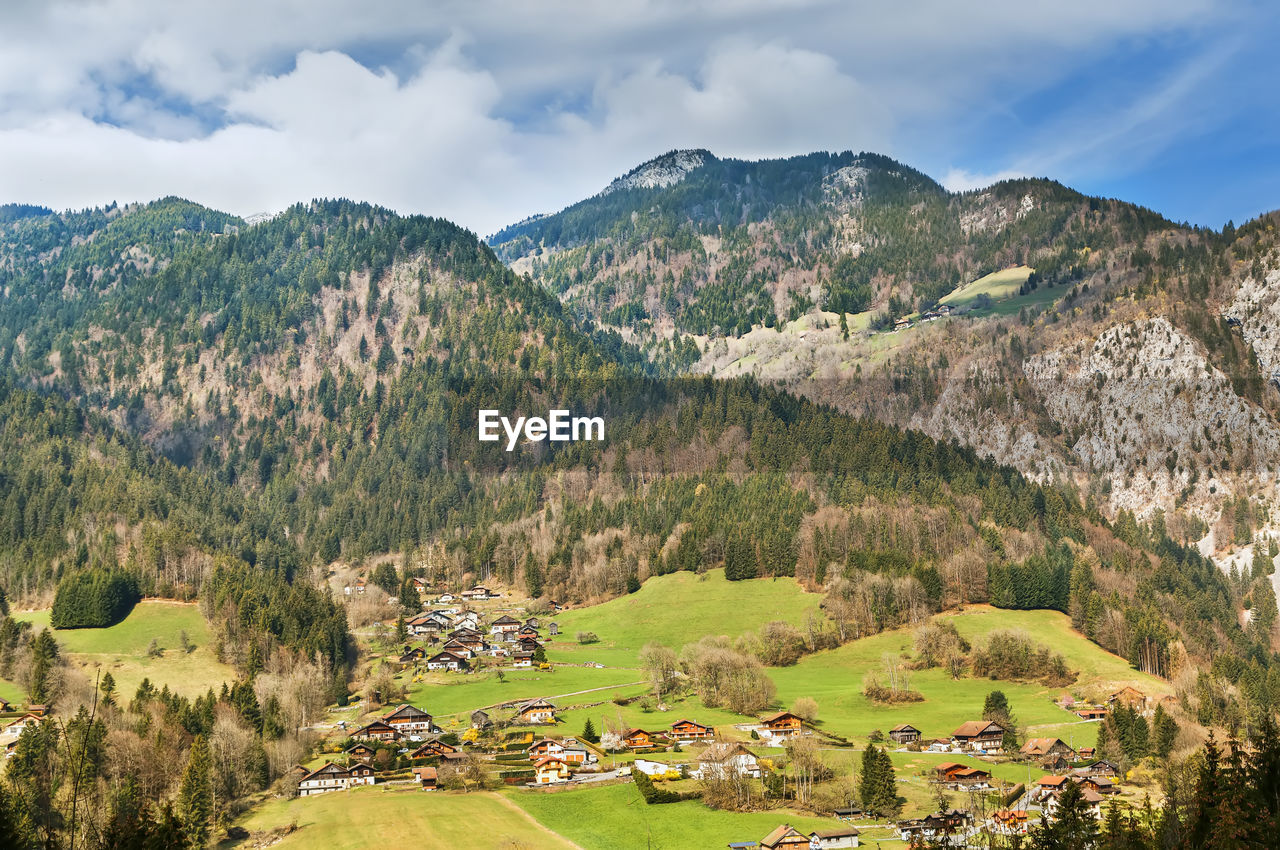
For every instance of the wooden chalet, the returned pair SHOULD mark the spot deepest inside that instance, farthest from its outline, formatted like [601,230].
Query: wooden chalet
[447,661]
[553,628]
[1086,753]
[433,747]
[785,837]
[1129,697]
[504,625]
[408,718]
[360,752]
[1040,749]
[688,730]
[533,623]
[551,770]
[334,777]
[478,592]
[412,656]
[378,730]
[480,719]
[522,659]
[1091,712]
[536,711]
[933,826]
[835,838]
[726,759]
[783,724]
[984,735]
[1101,784]
[637,739]
[38,709]
[528,644]
[962,776]
[904,733]
[1010,822]
[28,720]
[1101,767]
[427,777]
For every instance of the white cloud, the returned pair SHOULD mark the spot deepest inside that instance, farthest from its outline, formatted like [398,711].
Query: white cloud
[485,112]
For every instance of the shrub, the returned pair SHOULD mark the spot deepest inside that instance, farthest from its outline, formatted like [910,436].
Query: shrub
[588,637]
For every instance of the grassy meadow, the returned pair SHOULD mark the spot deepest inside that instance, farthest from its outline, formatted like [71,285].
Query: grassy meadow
[122,648]
[998,286]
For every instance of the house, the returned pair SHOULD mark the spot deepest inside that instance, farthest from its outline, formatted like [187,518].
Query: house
[545,748]
[480,719]
[1091,713]
[433,747]
[688,730]
[1010,822]
[377,731]
[837,837]
[533,623]
[445,598]
[576,754]
[536,711]
[361,585]
[447,661]
[934,826]
[299,770]
[473,642]
[529,645]
[504,625]
[521,659]
[1129,697]
[848,813]
[1092,800]
[478,592]
[649,767]
[721,760]
[784,724]
[551,770]
[636,739]
[408,718]
[38,709]
[412,656]
[1086,753]
[421,585]
[1101,767]
[333,777]
[458,648]
[962,776]
[553,628]
[28,720]
[1049,785]
[904,733]
[1101,784]
[785,837]
[986,735]
[427,777]
[360,752]
[1043,748]
[422,625]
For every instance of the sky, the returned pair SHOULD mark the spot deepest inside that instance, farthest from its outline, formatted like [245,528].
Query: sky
[487,112]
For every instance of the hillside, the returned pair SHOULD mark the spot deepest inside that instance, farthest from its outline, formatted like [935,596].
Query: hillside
[861,283]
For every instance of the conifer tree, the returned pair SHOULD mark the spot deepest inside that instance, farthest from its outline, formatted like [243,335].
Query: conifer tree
[195,796]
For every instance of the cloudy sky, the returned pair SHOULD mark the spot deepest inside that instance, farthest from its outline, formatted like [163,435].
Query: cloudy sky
[486,112]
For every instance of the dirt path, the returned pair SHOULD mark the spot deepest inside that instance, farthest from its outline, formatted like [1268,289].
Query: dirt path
[531,819]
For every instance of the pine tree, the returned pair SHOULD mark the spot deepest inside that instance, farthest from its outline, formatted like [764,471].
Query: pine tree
[402,630]
[195,796]
[1073,826]
[589,732]
[1164,732]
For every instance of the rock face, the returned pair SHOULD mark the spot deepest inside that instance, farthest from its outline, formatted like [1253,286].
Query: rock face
[1256,309]
[660,173]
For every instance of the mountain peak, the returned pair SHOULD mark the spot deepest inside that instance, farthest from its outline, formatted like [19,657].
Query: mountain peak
[662,171]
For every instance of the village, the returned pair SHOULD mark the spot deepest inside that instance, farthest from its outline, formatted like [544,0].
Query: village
[528,743]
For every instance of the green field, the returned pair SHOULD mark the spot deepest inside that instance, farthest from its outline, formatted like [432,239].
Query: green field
[677,609]
[616,817]
[459,694]
[997,286]
[835,678]
[381,817]
[122,648]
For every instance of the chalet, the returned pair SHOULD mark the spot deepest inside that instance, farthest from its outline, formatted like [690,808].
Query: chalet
[427,777]
[551,770]
[636,739]
[521,659]
[1129,697]
[719,760]
[976,735]
[1090,712]
[26,721]
[533,623]
[299,770]
[478,592]
[785,837]
[433,747]
[934,826]
[470,621]
[412,656]
[904,733]
[421,586]
[1086,753]
[1010,822]
[1101,784]
[333,777]
[529,645]
[441,619]
[38,709]
[473,642]
[1047,786]
[545,748]
[902,324]
[422,625]
[360,752]
[536,711]
[784,724]
[445,598]
[361,585]
[962,776]
[499,651]
[377,731]
[1101,767]
[504,625]
[1092,801]
[480,719]
[1040,749]
[688,730]
[408,718]
[835,838]
[848,813]
[555,606]
[553,628]
[458,648]
[447,661]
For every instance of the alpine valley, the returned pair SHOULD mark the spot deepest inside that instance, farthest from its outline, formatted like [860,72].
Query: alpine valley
[884,466]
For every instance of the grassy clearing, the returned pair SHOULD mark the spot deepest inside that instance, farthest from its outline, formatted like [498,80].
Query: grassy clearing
[835,678]
[677,609]
[10,692]
[460,694]
[617,817]
[122,648]
[381,817]
[997,286]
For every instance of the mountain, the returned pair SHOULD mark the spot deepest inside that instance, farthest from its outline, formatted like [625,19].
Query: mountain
[1085,341]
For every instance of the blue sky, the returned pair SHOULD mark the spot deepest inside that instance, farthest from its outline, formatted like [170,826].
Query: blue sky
[486,112]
